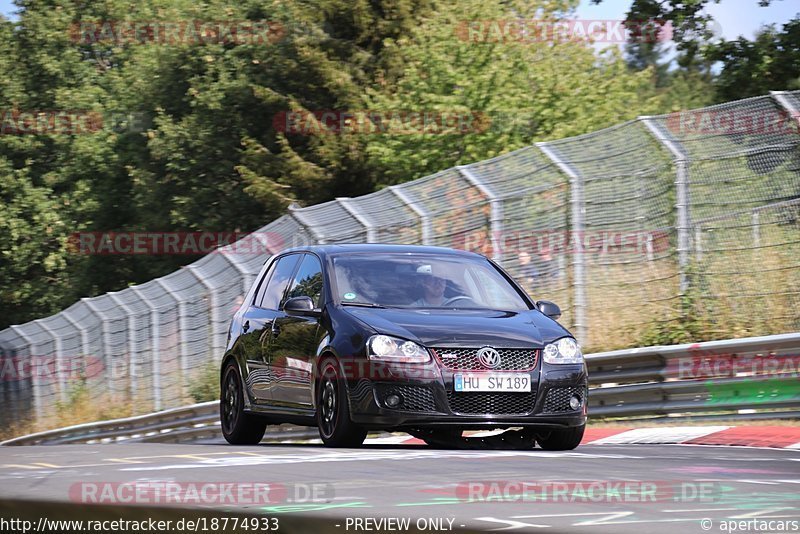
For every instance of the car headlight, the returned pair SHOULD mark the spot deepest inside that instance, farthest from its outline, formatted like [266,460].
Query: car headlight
[565,350]
[391,348]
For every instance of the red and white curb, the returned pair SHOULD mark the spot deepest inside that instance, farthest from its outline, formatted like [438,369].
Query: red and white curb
[782,437]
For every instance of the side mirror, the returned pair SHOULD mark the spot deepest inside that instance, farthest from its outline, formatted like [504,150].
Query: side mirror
[549,309]
[300,306]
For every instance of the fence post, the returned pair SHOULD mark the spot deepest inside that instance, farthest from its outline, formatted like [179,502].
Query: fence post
[422,213]
[155,347]
[62,380]
[213,309]
[683,224]
[106,341]
[786,103]
[350,208]
[756,230]
[131,343]
[578,212]
[37,387]
[82,330]
[496,207]
[183,314]
[294,211]
[244,274]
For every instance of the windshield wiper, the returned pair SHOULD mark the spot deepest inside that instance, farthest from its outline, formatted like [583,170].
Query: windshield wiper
[362,304]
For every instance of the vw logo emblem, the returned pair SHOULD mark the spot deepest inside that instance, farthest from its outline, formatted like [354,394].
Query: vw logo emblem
[489,357]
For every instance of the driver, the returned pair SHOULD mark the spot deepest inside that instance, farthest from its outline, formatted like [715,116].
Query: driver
[432,288]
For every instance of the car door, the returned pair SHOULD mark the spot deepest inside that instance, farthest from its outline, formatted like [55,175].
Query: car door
[294,340]
[257,324]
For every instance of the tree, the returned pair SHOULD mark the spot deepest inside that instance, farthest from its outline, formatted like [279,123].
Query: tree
[769,62]
[518,90]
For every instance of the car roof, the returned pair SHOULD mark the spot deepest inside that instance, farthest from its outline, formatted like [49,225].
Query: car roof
[345,248]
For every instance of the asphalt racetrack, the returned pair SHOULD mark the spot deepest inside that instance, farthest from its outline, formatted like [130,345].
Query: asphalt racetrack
[596,488]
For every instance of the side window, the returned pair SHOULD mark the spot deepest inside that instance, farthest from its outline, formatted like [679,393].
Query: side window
[262,285]
[281,275]
[308,280]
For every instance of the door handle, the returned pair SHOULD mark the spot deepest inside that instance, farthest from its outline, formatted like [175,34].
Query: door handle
[246,326]
[276,330]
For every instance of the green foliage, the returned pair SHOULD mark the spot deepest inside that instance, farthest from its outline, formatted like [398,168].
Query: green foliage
[205,386]
[199,148]
[528,91]
[750,68]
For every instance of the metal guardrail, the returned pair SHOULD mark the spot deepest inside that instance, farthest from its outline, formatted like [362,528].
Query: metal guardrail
[755,377]
[188,423]
[663,383]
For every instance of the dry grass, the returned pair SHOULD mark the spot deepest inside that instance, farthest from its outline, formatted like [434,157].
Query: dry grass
[732,294]
[82,407]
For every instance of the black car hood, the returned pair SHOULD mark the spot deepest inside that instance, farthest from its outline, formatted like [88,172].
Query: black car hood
[433,327]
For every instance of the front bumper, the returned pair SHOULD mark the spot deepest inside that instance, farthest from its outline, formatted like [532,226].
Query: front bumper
[429,399]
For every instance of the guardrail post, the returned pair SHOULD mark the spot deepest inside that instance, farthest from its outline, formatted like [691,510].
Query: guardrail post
[350,208]
[496,213]
[578,211]
[422,213]
[683,224]
[62,380]
[155,347]
[294,211]
[37,387]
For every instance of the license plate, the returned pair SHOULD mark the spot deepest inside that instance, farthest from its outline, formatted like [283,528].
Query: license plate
[501,382]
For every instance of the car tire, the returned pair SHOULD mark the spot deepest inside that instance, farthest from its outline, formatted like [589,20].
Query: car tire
[336,429]
[562,440]
[238,427]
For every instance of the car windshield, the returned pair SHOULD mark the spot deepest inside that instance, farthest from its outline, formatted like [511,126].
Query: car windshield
[405,280]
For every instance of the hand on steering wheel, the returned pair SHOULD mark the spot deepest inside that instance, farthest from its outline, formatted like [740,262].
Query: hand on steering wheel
[451,300]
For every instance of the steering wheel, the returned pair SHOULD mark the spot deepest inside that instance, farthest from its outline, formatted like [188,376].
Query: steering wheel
[451,300]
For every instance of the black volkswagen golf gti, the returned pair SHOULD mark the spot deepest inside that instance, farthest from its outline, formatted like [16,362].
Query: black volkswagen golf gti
[427,340]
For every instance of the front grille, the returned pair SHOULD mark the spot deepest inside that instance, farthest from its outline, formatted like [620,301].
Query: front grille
[473,403]
[414,398]
[467,359]
[558,398]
